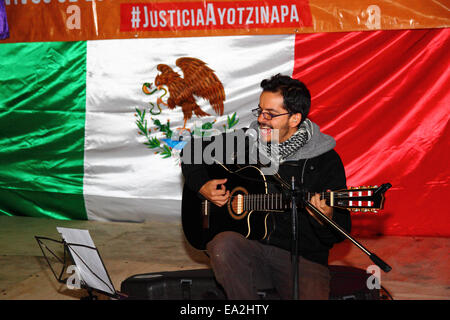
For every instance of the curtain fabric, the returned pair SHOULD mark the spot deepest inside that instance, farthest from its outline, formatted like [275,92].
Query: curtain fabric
[70,147]
[384,96]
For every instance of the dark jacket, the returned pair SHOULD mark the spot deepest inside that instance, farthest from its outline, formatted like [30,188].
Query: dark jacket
[318,174]
[316,168]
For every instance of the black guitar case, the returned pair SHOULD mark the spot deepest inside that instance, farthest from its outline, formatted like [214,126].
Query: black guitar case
[347,283]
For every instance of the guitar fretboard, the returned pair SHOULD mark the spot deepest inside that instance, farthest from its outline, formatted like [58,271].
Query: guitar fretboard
[270,202]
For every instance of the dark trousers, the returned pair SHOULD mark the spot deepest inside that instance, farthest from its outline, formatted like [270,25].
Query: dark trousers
[243,267]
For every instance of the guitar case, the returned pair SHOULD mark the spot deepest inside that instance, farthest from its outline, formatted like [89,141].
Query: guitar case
[198,284]
[347,283]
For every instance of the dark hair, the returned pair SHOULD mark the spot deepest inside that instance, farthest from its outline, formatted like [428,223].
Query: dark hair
[296,96]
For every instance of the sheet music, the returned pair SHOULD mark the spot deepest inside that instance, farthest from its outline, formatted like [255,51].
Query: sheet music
[88,261]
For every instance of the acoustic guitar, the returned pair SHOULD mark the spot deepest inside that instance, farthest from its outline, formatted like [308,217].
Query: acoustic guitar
[250,206]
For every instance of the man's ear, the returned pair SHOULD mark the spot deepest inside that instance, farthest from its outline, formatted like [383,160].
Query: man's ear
[295,120]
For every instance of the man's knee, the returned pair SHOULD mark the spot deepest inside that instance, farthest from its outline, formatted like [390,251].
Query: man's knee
[225,245]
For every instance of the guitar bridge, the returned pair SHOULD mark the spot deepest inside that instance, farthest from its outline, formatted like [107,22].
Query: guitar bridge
[205,214]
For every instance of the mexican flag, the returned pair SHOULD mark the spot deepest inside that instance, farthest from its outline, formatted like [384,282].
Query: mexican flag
[86,134]
[83,137]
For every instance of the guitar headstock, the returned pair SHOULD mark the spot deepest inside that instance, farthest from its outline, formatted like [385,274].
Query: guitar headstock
[362,199]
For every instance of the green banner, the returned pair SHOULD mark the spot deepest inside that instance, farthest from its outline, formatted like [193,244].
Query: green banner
[42,118]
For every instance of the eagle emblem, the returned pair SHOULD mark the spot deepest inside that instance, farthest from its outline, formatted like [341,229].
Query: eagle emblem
[199,80]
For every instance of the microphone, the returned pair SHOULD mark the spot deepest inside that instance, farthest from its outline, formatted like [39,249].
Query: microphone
[252,134]
[251,145]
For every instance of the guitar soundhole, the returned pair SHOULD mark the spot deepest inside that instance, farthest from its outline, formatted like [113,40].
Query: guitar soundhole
[236,203]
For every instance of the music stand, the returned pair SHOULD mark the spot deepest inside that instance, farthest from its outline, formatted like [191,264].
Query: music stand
[92,273]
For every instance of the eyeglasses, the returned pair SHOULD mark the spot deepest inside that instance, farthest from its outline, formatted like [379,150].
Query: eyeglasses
[267,115]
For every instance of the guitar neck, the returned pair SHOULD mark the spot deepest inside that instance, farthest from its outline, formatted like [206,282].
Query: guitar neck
[355,199]
[271,201]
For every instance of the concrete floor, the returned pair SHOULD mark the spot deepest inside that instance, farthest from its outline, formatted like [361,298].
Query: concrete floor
[420,265]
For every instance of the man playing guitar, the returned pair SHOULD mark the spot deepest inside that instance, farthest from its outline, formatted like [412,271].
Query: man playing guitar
[243,265]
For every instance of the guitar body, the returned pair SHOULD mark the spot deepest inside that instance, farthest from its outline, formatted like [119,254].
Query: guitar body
[202,220]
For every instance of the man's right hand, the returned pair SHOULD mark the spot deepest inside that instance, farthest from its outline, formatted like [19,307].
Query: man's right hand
[218,196]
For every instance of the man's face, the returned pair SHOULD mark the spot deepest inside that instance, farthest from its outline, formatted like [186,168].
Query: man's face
[286,124]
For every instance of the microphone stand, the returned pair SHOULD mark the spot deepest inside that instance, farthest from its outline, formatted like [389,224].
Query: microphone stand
[295,227]
[375,259]
[295,237]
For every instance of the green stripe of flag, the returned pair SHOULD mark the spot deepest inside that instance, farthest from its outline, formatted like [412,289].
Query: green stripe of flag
[42,119]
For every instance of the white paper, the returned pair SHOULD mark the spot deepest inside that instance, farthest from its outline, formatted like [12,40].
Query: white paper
[89,264]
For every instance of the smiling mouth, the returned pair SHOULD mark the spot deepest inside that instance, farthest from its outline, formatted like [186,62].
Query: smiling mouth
[265,131]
